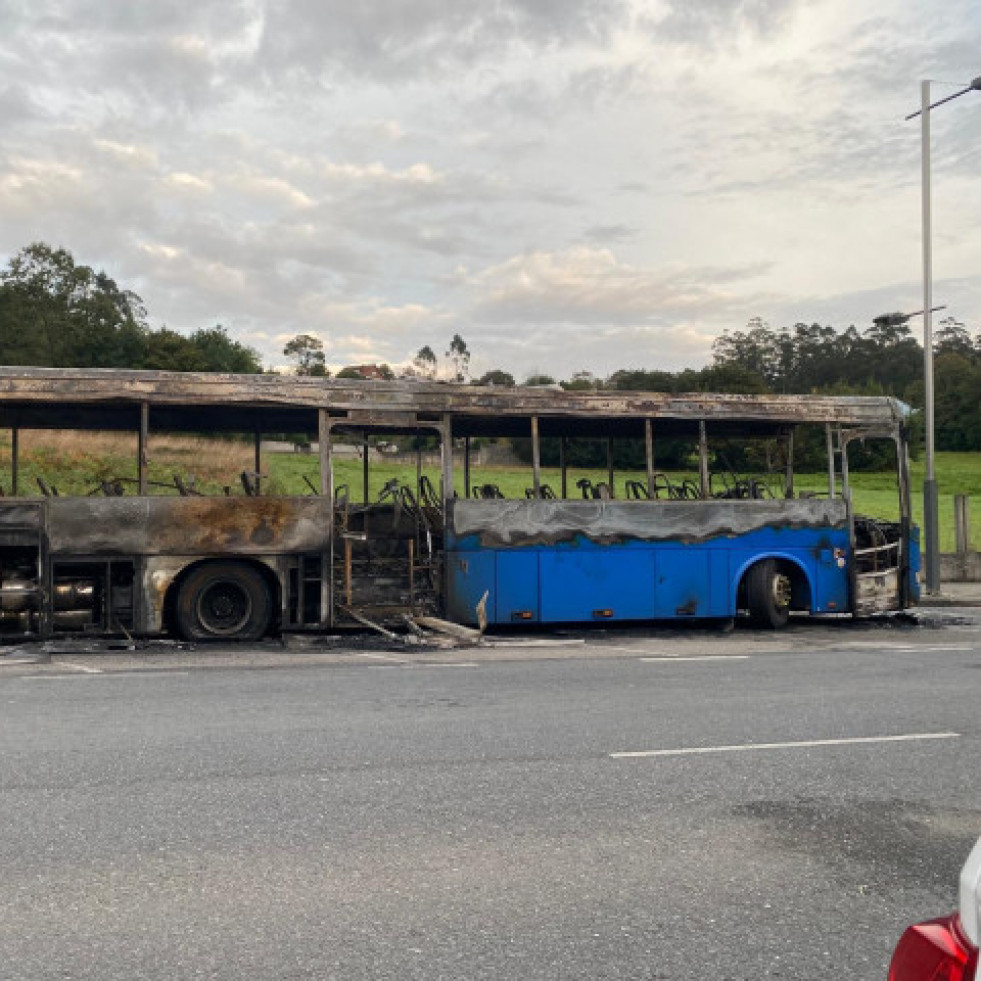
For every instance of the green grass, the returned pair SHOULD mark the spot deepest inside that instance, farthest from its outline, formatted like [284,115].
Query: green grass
[875,494]
[76,466]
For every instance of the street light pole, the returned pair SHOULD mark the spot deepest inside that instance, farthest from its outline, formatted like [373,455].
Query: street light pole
[931,508]
[931,519]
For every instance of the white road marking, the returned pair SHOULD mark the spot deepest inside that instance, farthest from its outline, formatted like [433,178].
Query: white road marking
[146,673]
[84,668]
[382,657]
[803,744]
[541,642]
[942,647]
[903,648]
[631,650]
[702,657]
[53,677]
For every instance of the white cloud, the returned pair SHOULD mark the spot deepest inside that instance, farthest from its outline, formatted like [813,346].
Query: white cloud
[591,286]
[567,183]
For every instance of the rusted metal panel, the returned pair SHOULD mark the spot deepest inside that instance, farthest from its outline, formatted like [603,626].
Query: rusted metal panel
[188,525]
[21,514]
[518,523]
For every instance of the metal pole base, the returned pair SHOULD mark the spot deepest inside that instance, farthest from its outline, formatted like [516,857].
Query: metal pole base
[931,530]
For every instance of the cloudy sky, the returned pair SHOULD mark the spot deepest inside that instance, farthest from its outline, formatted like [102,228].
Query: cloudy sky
[568,184]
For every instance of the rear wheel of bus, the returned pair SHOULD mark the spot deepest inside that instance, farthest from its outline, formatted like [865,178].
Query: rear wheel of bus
[223,601]
[768,594]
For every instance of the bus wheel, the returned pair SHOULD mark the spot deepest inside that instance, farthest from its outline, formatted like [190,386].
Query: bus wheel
[768,590]
[223,601]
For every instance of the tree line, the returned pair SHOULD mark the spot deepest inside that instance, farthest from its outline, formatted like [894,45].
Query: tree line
[56,312]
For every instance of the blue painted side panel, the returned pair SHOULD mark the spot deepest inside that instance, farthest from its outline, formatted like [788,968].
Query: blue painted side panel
[469,575]
[570,581]
[915,563]
[612,583]
[517,585]
[682,584]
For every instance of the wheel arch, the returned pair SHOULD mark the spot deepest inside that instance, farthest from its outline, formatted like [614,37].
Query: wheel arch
[263,567]
[800,577]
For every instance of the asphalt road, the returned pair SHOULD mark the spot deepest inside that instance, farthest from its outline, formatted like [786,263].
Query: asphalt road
[464,815]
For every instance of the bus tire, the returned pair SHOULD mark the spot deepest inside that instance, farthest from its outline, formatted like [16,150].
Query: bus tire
[768,591]
[223,601]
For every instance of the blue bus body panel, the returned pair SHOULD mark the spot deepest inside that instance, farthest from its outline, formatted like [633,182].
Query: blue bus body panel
[574,578]
[470,574]
[517,586]
[613,583]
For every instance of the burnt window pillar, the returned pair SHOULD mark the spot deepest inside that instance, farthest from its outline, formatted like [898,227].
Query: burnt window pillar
[649,453]
[536,460]
[703,460]
[788,484]
[326,464]
[141,449]
[843,451]
[446,434]
[829,440]
[364,468]
[564,468]
[14,458]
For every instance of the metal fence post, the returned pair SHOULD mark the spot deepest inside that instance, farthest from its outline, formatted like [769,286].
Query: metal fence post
[962,523]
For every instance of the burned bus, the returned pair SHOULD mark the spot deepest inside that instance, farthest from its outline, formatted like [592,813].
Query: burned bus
[703,507]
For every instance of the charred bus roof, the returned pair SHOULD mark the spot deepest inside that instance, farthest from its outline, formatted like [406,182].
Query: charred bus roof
[110,399]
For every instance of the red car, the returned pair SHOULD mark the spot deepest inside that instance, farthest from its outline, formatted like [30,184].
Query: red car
[945,949]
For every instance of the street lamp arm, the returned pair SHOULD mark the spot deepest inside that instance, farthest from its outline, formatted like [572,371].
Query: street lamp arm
[896,319]
[974,86]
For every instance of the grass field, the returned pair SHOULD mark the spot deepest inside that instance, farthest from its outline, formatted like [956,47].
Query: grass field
[76,463]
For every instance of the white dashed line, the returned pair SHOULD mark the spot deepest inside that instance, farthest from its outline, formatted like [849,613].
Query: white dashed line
[703,657]
[93,672]
[804,744]
[861,645]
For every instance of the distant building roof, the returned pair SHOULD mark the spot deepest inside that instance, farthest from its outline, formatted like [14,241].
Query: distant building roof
[371,372]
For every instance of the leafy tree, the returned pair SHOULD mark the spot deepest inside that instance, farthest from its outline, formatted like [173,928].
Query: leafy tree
[757,349]
[538,381]
[458,356]
[951,337]
[308,353]
[581,381]
[220,353]
[957,386]
[636,380]
[424,363]
[729,378]
[502,379]
[56,313]
[372,372]
[166,350]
